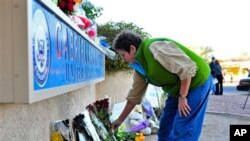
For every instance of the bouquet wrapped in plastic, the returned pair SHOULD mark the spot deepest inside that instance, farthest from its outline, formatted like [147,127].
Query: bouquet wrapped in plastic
[101,110]
[101,130]
[61,131]
[84,129]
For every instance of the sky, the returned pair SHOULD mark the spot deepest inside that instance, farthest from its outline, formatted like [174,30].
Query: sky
[223,25]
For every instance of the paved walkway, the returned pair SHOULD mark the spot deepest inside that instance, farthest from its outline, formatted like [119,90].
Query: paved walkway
[222,112]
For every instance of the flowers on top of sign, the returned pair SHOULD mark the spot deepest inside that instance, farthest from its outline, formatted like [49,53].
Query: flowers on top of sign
[83,13]
[67,6]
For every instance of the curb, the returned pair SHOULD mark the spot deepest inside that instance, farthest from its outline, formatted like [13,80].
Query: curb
[225,113]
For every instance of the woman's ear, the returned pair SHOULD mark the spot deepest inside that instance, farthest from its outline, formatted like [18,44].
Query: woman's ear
[132,48]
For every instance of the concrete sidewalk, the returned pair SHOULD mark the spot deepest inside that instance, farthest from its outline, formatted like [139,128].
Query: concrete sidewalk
[222,112]
[217,125]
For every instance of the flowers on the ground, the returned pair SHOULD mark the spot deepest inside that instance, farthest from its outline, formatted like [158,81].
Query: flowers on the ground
[139,137]
[100,128]
[100,109]
[56,136]
[122,135]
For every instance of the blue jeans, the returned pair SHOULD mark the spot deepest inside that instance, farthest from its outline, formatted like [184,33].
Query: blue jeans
[174,127]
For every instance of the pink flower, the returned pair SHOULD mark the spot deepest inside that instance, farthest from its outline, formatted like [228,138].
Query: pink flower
[92,34]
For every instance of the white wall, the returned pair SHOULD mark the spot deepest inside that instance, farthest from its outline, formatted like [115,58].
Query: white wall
[116,86]
[31,122]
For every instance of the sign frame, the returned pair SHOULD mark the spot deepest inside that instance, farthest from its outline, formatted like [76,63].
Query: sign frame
[37,95]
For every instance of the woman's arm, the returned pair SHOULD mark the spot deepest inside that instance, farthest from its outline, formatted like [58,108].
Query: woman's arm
[183,106]
[127,109]
[134,97]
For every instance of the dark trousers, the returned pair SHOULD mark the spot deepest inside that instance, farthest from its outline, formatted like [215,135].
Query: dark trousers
[219,85]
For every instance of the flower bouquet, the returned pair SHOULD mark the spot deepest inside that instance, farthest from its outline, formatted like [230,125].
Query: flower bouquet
[67,6]
[84,129]
[122,135]
[101,110]
[101,130]
[61,131]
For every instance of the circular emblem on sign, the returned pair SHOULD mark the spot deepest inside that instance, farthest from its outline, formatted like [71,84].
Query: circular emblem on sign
[41,47]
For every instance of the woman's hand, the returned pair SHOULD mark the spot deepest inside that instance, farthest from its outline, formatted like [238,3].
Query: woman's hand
[116,124]
[183,107]
[128,108]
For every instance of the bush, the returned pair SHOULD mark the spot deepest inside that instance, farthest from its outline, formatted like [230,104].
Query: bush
[110,30]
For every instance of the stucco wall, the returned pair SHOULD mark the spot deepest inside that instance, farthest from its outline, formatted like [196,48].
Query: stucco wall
[116,86]
[31,122]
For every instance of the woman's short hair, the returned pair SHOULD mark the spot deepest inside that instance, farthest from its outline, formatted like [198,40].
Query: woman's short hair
[125,39]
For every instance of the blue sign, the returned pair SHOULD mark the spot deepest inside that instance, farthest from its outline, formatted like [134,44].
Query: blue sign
[61,56]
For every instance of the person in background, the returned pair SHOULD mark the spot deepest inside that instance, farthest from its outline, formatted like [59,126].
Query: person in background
[248,71]
[219,76]
[181,73]
[213,72]
[231,77]
[212,67]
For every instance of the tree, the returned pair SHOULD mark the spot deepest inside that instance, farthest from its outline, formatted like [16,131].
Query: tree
[110,30]
[205,52]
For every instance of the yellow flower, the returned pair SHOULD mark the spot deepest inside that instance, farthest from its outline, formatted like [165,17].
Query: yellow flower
[139,137]
[56,136]
[77,1]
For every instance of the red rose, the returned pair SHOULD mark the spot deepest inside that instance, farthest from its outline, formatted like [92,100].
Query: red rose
[70,1]
[62,5]
[70,7]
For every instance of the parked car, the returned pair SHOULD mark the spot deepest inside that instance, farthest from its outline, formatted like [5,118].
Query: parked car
[244,84]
